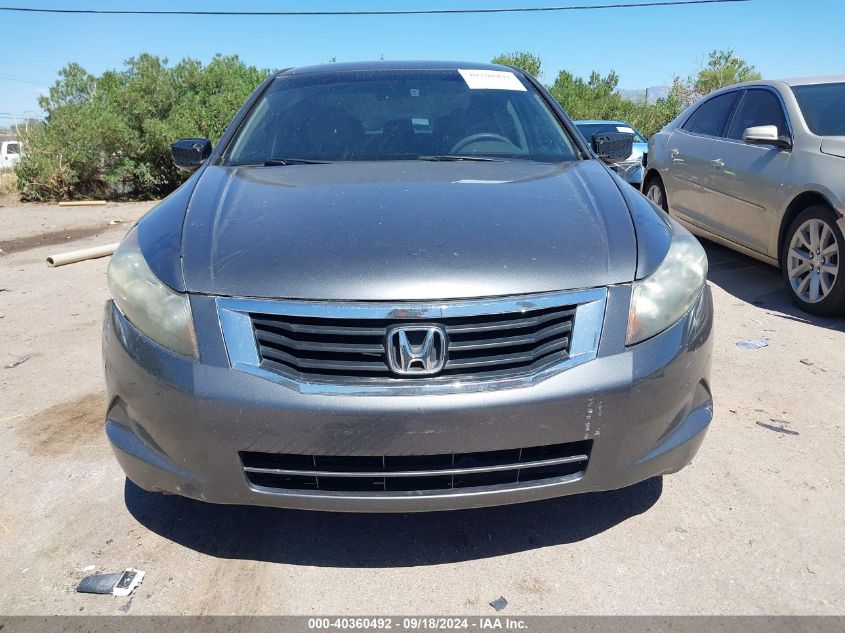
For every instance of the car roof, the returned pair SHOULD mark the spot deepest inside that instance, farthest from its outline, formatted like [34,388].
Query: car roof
[393,65]
[821,79]
[791,81]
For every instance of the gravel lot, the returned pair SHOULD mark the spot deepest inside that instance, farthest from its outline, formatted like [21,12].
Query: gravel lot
[753,526]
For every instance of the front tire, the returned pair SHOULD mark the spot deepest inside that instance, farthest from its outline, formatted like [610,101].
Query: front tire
[810,262]
[656,192]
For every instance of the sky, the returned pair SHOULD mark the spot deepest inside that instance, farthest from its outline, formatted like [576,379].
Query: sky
[645,46]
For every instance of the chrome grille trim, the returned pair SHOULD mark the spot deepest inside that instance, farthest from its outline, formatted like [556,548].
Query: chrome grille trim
[236,325]
[398,475]
[574,459]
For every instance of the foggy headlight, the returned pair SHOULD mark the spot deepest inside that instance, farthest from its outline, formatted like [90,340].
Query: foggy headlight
[159,312]
[663,297]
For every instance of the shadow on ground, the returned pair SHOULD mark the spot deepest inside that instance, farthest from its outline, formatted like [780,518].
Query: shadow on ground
[325,539]
[760,284]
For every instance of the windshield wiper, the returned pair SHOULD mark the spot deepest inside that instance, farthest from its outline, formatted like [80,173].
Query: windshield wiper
[455,157]
[281,162]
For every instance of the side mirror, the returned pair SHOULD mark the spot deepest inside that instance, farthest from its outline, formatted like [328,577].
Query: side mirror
[613,147]
[766,135]
[189,153]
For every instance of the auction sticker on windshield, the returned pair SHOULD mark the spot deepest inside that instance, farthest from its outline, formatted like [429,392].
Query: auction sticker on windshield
[491,80]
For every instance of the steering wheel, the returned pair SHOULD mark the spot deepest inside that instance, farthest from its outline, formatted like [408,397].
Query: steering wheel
[475,138]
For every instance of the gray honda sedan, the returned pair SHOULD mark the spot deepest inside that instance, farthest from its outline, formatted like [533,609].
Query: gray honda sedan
[405,287]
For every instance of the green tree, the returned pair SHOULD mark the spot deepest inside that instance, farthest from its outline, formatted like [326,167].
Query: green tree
[521,59]
[109,136]
[723,68]
[597,98]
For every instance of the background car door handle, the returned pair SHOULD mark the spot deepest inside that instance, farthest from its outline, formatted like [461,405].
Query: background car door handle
[718,163]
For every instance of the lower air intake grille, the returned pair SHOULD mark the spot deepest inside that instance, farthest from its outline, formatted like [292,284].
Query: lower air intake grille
[419,473]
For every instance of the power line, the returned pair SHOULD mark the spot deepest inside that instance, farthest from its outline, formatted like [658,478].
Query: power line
[20,117]
[615,5]
[22,80]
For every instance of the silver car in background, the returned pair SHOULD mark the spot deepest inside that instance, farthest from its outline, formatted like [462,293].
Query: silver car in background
[632,168]
[759,168]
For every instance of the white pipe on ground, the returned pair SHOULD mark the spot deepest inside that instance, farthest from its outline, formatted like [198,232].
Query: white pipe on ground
[82,203]
[72,257]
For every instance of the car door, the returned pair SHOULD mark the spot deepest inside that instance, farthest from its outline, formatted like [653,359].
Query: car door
[747,179]
[691,152]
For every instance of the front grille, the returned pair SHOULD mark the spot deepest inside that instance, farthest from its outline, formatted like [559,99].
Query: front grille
[328,349]
[407,347]
[419,473]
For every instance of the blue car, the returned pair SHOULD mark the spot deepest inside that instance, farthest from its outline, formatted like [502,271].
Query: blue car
[632,168]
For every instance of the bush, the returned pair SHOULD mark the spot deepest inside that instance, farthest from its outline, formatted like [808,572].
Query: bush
[7,182]
[109,136]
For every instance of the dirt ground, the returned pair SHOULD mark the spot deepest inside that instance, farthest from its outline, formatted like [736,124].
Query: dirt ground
[753,526]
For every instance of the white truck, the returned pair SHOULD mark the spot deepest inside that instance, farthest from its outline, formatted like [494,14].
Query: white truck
[10,153]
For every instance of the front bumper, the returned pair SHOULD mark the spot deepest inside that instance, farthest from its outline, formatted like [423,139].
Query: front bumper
[178,425]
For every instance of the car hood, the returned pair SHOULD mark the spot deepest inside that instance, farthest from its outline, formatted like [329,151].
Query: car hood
[406,230]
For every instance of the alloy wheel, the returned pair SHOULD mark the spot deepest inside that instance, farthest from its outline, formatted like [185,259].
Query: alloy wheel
[812,263]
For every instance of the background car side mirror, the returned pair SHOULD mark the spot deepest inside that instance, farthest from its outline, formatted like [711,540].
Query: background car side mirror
[766,135]
[189,153]
[613,147]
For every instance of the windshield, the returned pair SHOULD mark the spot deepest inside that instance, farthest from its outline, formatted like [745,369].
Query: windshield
[380,115]
[823,106]
[588,129]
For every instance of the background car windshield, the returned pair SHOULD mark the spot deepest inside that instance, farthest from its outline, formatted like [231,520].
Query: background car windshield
[397,115]
[588,129]
[823,106]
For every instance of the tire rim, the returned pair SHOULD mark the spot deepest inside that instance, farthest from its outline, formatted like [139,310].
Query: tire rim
[655,195]
[813,261]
